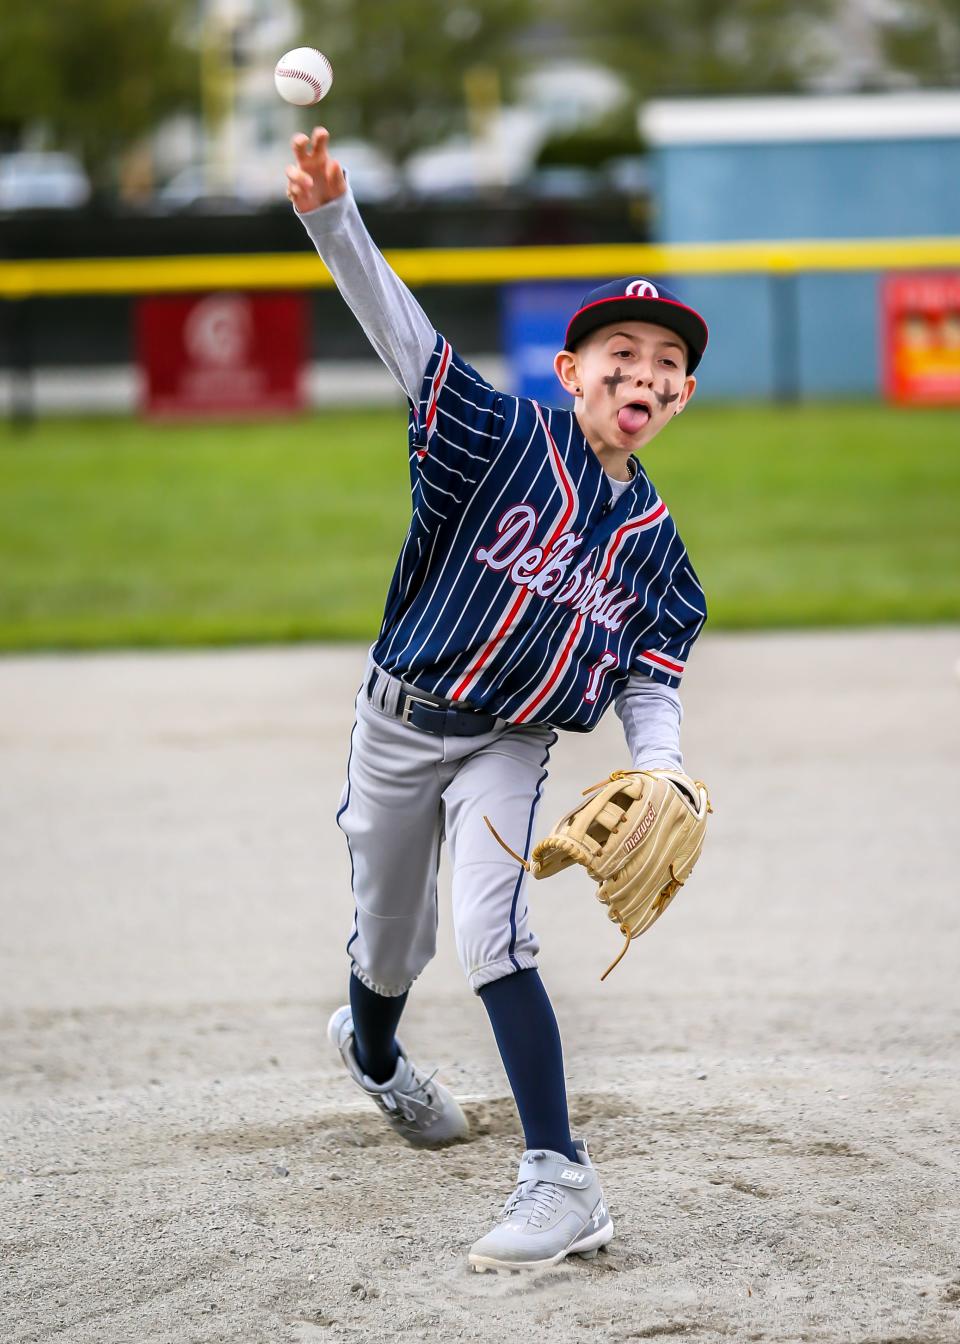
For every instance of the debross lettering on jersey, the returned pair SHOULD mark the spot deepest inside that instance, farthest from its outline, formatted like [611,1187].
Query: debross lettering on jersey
[521,587]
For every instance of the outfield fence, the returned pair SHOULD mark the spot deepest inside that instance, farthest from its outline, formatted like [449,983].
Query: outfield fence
[782,263]
[20,280]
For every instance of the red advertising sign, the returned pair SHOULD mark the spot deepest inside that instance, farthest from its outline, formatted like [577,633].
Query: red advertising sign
[222,355]
[921,356]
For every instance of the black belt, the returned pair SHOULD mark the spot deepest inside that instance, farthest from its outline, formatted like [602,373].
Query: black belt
[439,717]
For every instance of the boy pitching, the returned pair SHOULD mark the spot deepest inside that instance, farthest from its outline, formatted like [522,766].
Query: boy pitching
[541,579]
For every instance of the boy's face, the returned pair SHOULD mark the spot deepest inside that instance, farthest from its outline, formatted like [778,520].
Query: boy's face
[629,380]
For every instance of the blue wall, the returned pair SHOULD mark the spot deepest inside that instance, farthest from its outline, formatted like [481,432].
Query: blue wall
[851,189]
[722,193]
[835,334]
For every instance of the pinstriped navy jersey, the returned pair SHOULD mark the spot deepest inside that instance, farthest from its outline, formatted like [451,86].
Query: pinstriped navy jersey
[522,588]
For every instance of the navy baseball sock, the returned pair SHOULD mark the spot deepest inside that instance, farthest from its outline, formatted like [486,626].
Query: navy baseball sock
[375,1019]
[528,1039]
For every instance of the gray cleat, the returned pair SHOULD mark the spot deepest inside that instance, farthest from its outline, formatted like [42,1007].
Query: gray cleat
[557,1210]
[419,1108]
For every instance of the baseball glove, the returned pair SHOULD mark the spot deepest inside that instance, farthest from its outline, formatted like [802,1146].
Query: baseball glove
[638,835]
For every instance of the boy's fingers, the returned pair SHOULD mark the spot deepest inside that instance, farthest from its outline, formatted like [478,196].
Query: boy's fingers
[298,178]
[309,148]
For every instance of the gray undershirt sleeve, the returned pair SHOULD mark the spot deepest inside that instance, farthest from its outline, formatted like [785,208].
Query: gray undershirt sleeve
[651,714]
[395,324]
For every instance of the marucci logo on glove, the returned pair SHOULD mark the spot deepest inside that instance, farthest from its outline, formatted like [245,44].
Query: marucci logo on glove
[646,822]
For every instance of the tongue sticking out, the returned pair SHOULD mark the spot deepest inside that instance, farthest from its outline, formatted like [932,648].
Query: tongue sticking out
[631,419]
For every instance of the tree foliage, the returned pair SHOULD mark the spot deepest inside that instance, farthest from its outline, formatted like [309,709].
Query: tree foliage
[590,146]
[401,66]
[97,74]
[921,39]
[701,47]
[715,47]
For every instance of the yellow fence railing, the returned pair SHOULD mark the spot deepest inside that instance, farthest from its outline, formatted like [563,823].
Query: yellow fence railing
[473,265]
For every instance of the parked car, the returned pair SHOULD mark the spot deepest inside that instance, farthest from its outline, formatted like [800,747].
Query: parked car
[448,171]
[189,192]
[629,175]
[564,182]
[373,177]
[30,181]
[262,183]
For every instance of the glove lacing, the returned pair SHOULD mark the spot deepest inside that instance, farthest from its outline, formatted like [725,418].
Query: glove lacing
[524,863]
[668,893]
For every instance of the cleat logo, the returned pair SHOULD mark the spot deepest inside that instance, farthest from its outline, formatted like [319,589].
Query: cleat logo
[598,1213]
[577,1176]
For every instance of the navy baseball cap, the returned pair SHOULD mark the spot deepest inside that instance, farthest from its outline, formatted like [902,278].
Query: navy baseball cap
[638,299]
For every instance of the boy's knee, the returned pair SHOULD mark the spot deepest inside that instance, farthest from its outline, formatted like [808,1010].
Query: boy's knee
[489,950]
[384,988]
[387,956]
[479,977]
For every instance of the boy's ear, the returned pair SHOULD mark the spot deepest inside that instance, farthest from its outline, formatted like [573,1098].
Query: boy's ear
[686,392]
[565,366]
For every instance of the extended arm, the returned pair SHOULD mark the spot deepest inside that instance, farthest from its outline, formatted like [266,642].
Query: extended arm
[651,714]
[395,324]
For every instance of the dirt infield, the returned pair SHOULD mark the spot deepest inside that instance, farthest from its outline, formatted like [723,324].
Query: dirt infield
[769,1081]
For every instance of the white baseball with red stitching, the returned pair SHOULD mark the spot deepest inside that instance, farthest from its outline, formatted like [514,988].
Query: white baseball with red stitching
[303,76]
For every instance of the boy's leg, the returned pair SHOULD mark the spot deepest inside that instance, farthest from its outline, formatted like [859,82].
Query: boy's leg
[391,814]
[497,949]
[375,1019]
[528,1039]
[557,1207]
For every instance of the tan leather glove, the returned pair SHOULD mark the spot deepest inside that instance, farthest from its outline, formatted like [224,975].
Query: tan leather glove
[638,835]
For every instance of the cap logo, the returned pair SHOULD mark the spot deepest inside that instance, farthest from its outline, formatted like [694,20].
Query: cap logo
[642,289]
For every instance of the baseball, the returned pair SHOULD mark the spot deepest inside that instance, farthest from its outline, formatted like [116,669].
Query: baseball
[303,76]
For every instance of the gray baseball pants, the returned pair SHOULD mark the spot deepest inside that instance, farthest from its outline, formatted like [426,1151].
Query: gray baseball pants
[407,792]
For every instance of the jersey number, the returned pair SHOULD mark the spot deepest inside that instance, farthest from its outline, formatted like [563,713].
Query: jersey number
[605,662]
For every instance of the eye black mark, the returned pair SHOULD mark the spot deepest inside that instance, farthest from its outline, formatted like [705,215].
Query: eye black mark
[666,396]
[614,380]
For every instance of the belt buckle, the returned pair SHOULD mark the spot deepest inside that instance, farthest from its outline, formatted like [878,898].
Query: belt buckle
[410,701]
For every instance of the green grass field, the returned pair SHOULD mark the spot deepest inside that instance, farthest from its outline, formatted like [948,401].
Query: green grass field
[115,533]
